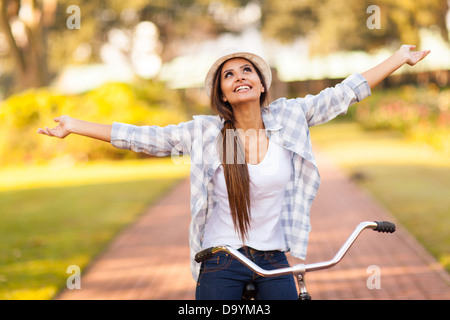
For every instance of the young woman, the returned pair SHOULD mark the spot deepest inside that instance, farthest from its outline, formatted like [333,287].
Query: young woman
[253,173]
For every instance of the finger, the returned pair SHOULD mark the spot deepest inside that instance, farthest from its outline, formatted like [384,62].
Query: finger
[44,132]
[408,47]
[424,53]
[56,119]
[49,131]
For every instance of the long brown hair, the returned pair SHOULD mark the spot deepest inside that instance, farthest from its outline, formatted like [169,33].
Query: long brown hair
[233,157]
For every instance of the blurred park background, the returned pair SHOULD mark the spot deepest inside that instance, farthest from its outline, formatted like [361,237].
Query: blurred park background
[144,62]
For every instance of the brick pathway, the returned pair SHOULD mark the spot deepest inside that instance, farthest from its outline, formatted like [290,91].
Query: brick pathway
[150,259]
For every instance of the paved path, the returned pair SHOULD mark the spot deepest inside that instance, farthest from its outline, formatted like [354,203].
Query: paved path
[150,259]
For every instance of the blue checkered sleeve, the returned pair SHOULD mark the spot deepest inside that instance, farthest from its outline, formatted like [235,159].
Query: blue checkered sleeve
[332,102]
[153,140]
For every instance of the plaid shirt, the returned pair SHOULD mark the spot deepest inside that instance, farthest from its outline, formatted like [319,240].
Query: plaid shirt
[287,123]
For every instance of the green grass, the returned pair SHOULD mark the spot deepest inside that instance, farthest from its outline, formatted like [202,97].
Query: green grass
[44,229]
[411,180]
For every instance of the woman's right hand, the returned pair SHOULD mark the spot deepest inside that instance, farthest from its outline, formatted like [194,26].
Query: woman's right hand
[61,131]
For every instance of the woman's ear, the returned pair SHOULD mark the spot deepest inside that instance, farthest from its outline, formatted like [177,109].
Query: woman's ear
[223,98]
[262,89]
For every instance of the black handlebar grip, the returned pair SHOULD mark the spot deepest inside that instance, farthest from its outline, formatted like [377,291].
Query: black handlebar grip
[204,255]
[385,226]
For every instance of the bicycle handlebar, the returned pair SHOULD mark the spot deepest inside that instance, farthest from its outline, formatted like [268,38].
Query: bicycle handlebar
[385,226]
[380,226]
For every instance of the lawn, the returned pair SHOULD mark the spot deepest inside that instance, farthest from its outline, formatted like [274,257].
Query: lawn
[56,216]
[410,179]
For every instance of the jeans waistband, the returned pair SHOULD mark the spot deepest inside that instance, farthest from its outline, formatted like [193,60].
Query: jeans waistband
[252,251]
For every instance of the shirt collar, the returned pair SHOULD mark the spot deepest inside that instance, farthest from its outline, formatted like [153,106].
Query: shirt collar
[270,122]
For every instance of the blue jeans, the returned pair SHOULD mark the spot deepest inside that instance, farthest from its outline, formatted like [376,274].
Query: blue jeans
[224,278]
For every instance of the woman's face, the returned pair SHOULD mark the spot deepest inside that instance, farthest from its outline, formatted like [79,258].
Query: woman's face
[240,82]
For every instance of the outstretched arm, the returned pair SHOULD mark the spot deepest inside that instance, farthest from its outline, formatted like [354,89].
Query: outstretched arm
[67,125]
[403,55]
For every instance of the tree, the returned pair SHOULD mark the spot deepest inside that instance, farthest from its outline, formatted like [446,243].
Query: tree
[40,43]
[24,25]
[332,25]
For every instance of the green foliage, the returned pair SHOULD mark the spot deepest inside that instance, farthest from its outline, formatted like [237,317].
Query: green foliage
[333,25]
[146,103]
[420,113]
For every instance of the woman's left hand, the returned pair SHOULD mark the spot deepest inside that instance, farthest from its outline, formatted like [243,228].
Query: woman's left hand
[412,57]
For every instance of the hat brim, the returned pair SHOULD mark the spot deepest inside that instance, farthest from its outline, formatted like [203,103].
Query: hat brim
[257,61]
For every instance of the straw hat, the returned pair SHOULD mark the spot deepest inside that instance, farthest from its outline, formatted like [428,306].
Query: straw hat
[259,63]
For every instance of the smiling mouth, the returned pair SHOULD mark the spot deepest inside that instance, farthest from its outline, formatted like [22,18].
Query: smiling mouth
[241,88]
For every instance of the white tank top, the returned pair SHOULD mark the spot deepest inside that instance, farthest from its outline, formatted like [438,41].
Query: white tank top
[268,181]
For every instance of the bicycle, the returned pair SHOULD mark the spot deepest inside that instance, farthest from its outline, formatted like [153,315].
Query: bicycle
[298,270]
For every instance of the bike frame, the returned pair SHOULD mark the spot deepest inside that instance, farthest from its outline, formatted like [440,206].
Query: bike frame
[299,270]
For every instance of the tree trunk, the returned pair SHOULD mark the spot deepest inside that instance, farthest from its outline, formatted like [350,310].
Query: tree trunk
[27,48]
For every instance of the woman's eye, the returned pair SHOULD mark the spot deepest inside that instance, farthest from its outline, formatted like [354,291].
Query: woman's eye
[247,69]
[228,74]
